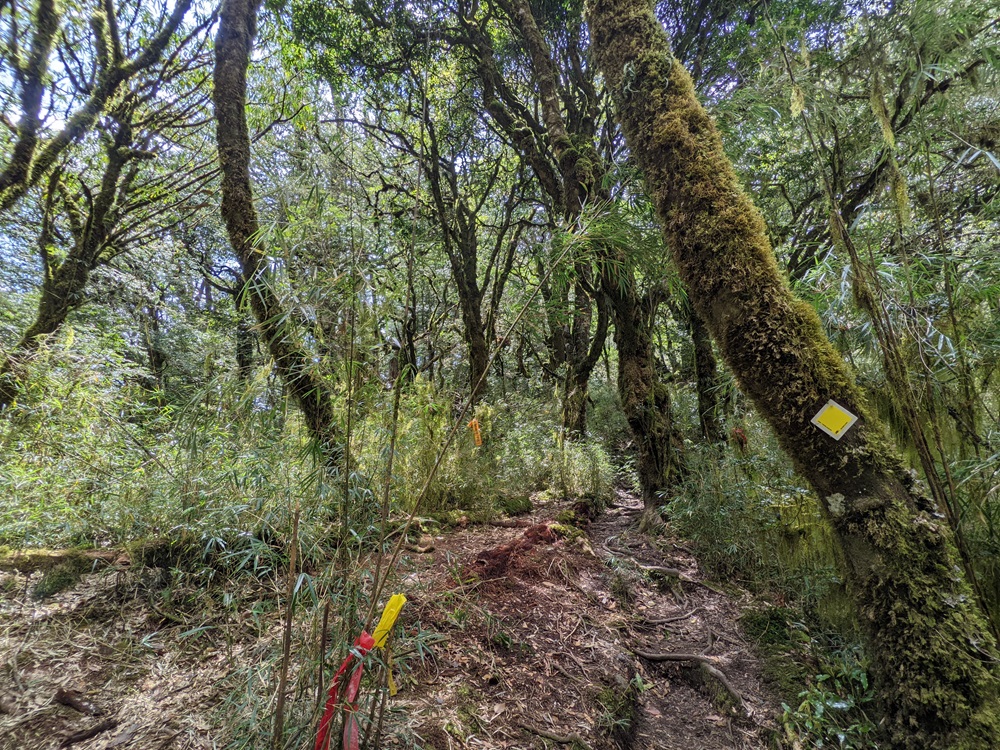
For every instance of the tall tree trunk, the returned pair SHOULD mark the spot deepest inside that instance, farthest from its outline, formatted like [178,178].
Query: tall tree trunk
[706,380]
[237,28]
[932,653]
[645,398]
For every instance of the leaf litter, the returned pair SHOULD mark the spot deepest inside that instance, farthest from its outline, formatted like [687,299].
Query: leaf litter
[535,633]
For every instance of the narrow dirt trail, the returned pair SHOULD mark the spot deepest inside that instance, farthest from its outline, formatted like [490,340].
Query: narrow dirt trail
[720,702]
[523,634]
[542,636]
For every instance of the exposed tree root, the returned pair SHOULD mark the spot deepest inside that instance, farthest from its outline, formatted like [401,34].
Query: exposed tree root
[707,665]
[567,739]
[668,620]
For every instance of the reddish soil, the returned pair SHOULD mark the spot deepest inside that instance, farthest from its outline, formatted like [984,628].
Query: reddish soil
[529,637]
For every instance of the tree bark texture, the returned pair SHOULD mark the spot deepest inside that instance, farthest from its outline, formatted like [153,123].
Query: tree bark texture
[233,44]
[932,654]
[707,380]
[645,398]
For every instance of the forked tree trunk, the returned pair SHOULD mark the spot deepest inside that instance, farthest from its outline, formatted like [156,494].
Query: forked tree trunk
[645,397]
[932,654]
[237,28]
[580,363]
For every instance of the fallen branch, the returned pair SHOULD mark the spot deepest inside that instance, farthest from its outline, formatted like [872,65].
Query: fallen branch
[74,700]
[86,734]
[568,739]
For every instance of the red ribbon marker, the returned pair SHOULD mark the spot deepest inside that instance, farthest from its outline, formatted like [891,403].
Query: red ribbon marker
[362,646]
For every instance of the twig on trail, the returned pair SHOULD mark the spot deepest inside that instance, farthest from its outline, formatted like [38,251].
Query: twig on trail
[707,664]
[74,700]
[668,620]
[512,523]
[166,616]
[86,734]
[669,572]
[650,656]
[574,658]
[568,739]
[168,742]
[616,550]
[672,572]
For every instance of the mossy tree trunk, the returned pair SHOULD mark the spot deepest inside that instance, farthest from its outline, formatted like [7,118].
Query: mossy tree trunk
[33,156]
[707,380]
[584,351]
[233,44]
[91,220]
[932,654]
[645,398]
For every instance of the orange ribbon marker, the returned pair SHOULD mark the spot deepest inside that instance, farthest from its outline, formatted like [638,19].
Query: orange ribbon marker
[477,435]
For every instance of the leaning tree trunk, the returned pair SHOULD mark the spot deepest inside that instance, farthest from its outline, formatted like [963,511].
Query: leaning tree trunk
[932,654]
[237,28]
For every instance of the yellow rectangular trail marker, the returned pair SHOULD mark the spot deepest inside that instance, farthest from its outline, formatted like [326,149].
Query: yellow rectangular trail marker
[834,420]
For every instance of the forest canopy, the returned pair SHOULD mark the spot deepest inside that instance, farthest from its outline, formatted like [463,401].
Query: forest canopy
[293,292]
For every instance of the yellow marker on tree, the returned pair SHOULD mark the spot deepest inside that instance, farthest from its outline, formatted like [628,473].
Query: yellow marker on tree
[834,420]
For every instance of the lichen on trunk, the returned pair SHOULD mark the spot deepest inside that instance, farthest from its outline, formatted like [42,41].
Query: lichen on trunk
[237,29]
[932,653]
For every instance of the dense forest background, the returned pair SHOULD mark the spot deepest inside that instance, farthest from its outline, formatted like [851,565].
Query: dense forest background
[450,227]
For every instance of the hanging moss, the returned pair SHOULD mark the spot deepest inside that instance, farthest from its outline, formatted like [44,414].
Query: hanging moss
[931,651]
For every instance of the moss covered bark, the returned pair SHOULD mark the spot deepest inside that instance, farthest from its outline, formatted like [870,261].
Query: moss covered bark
[237,28]
[707,380]
[644,397]
[933,656]
[65,282]
[32,157]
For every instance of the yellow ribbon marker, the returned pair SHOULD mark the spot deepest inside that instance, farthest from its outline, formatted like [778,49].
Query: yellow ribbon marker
[388,619]
[388,668]
[477,434]
[384,628]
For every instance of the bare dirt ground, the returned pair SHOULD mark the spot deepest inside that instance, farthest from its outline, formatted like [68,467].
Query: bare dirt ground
[543,636]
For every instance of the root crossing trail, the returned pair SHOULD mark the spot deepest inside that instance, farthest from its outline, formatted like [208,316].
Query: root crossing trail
[540,632]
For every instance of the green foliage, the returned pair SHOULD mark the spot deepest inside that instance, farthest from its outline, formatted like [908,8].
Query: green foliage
[753,520]
[831,713]
[619,704]
[522,454]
